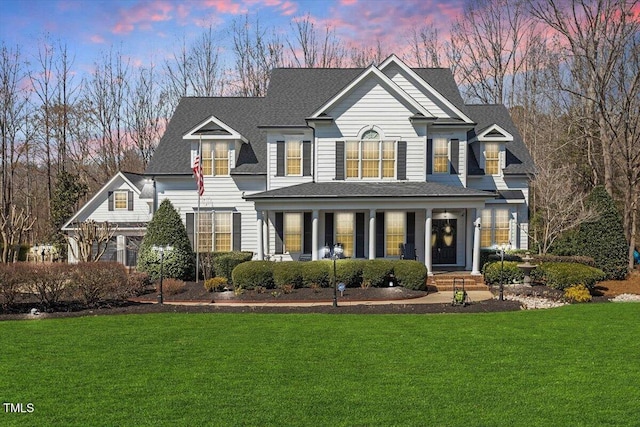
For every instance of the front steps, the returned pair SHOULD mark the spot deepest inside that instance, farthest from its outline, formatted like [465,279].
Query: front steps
[442,282]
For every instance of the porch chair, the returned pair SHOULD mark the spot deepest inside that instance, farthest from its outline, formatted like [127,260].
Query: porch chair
[408,251]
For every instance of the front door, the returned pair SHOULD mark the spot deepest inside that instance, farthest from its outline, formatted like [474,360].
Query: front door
[443,241]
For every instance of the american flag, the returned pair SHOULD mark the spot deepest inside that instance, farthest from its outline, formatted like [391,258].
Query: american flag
[197,171]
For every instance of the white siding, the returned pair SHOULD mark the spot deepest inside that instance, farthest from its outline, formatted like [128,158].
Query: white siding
[101,212]
[275,182]
[427,100]
[220,193]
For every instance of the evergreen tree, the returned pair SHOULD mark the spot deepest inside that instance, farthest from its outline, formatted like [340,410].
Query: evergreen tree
[66,194]
[166,229]
[604,239]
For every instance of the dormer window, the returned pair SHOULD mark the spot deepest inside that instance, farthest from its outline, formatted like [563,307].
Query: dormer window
[440,155]
[215,158]
[492,158]
[294,158]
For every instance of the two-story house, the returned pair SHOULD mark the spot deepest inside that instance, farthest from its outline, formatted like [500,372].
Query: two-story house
[387,161]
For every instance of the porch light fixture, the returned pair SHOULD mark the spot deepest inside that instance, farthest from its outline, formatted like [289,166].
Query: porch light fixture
[334,253]
[161,250]
[500,251]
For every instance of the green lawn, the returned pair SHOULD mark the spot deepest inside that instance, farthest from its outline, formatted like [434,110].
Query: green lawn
[576,365]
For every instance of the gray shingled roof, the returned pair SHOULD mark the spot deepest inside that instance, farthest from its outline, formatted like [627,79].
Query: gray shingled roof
[519,160]
[342,189]
[173,156]
[293,95]
[136,179]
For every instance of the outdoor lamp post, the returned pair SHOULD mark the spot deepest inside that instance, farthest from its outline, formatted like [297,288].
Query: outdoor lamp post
[334,253]
[503,247]
[162,250]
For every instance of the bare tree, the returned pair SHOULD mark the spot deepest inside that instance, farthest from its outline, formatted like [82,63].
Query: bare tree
[13,226]
[313,48]
[107,93]
[146,113]
[256,54]
[488,50]
[363,56]
[13,109]
[89,235]
[426,50]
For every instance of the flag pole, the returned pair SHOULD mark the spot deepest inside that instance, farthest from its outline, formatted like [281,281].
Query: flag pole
[197,226]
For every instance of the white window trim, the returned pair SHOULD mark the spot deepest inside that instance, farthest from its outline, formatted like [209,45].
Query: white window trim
[404,237]
[213,158]
[284,231]
[501,153]
[433,156]
[492,225]
[353,231]
[213,227]
[380,161]
[286,156]
[126,200]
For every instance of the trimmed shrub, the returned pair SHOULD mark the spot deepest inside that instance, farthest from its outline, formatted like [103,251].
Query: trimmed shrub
[288,274]
[93,282]
[11,276]
[249,275]
[49,282]
[166,228]
[316,274]
[411,274]
[225,262]
[216,284]
[171,286]
[349,272]
[585,260]
[375,271]
[604,240]
[510,274]
[561,275]
[137,284]
[577,293]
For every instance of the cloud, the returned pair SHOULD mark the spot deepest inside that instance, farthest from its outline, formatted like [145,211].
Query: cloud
[225,6]
[98,39]
[142,15]
[348,2]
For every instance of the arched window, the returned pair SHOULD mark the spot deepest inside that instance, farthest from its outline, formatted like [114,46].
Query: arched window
[370,157]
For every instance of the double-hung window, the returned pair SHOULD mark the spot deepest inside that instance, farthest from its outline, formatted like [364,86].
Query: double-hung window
[214,232]
[215,158]
[120,200]
[293,227]
[495,227]
[345,232]
[394,224]
[294,158]
[491,158]
[440,155]
[370,157]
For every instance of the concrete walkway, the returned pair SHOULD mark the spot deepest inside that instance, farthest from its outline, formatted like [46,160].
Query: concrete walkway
[435,298]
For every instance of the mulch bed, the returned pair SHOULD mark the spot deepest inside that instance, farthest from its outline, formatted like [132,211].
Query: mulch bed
[196,294]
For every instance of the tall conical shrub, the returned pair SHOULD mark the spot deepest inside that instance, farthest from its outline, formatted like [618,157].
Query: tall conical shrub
[166,228]
[604,239]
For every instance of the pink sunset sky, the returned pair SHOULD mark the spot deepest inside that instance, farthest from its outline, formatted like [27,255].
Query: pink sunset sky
[151,30]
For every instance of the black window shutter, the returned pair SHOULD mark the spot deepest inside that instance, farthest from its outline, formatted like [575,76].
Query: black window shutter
[280,158]
[340,160]
[328,229]
[402,160]
[306,243]
[190,227]
[237,231]
[130,200]
[429,156]
[359,235]
[110,198]
[455,156]
[411,228]
[279,232]
[306,158]
[379,234]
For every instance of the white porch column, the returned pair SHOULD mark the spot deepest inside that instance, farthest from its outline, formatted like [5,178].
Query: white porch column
[476,244]
[372,234]
[427,241]
[121,249]
[314,235]
[260,232]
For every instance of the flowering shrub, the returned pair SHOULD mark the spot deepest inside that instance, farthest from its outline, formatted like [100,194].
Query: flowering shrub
[577,293]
